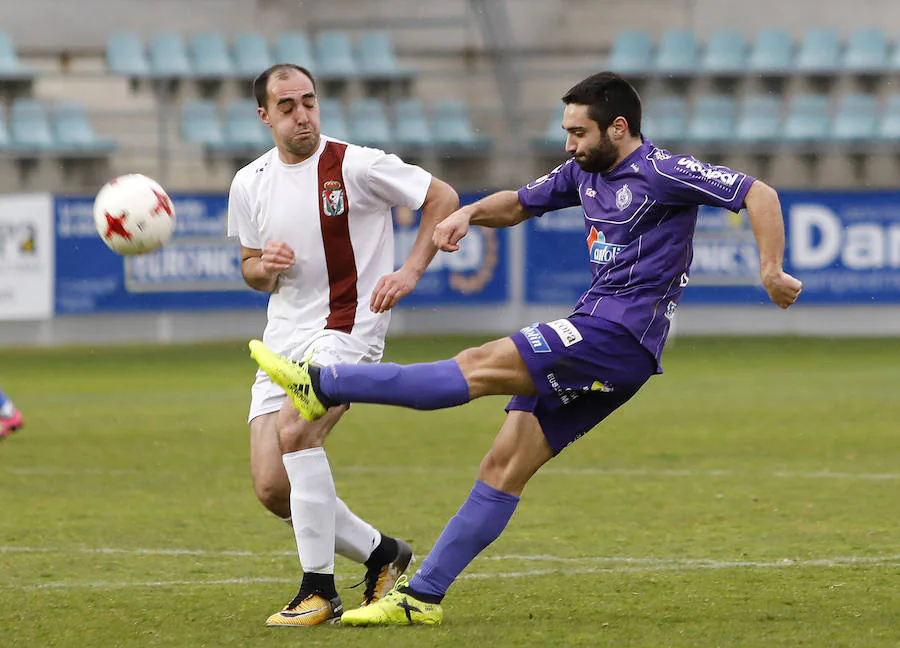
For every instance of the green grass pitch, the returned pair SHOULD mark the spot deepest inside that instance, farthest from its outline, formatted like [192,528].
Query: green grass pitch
[747,497]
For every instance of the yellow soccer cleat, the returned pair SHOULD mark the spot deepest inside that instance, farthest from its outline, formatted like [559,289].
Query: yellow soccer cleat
[397,608]
[293,377]
[308,610]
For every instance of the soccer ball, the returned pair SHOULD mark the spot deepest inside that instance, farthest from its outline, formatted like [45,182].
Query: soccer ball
[134,214]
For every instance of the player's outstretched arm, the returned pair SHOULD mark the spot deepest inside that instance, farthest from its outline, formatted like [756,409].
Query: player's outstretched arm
[260,268]
[767,222]
[440,201]
[501,209]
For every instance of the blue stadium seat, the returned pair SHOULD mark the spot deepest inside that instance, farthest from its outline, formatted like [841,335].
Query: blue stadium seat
[725,53]
[451,126]
[820,51]
[759,119]
[293,47]
[411,129]
[867,51]
[665,119]
[369,124]
[168,56]
[375,54]
[200,123]
[29,125]
[125,55]
[251,55]
[554,137]
[243,127]
[889,122]
[855,118]
[632,53]
[210,57]
[5,141]
[712,119]
[334,56]
[807,118]
[10,65]
[73,130]
[677,52]
[332,119]
[772,52]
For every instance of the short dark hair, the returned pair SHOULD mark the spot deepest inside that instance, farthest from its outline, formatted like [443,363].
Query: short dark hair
[261,83]
[607,96]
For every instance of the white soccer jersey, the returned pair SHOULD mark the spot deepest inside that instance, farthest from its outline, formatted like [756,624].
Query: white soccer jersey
[334,210]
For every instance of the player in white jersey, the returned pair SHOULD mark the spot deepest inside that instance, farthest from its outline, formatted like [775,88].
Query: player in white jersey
[313,216]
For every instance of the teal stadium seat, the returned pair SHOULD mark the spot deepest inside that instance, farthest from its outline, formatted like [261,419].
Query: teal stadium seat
[73,131]
[209,56]
[11,68]
[632,53]
[867,51]
[554,137]
[855,118]
[369,123]
[375,54]
[807,118]
[168,56]
[5,141]
[333,123]
[451,126]
[759,119]
[29,126]
[725,53]
[889,122]
[251,55]
[712,119]
[411,129]
[293,47]
[200,123]
[772,52]
[665,120]
[125,55]
[243,129]
[820,51]
[334,56]
[894,57]
[677,52]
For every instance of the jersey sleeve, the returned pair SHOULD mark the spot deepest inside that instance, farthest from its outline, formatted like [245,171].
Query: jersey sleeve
[685,180]
[555,190]
[398,183]
[240,217]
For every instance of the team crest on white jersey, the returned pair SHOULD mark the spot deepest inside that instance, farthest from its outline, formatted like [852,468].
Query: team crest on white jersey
[333,198]
[623,197]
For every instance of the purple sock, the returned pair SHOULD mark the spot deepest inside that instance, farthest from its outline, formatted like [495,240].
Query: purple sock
[479,521]
[430,386]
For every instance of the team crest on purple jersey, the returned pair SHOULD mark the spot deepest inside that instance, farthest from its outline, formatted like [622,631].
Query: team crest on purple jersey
[623,197]
[333,198]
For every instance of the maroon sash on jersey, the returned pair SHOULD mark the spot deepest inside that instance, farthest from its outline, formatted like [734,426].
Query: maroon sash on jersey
[334,206]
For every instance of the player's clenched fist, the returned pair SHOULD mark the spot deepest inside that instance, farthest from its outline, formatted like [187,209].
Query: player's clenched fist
[451,230]
[277,256]
[783,288]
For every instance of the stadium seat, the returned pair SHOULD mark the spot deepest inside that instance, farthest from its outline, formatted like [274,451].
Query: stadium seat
[125,55]
[332,119]
[10,65]
[820,51]
[200,123]
[888,127]
[855,118]
[554,137]
[209,56]
[807,118]
[725,52]
[243,127]
[632,53]
[73,130]
[712,119]
[293,47]
[451,125]
[677,52]
[772,52]
[375,54]
[867,51]
[665,119]
[334,56]
[369,124]
[168,56]
[5,141]
[411,129]
[251,55]
[759,119]
[29,125]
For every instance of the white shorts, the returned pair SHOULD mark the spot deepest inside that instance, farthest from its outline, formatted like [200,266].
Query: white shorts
[324,348]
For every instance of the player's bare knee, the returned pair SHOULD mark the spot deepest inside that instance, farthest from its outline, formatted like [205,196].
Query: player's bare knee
[272,494]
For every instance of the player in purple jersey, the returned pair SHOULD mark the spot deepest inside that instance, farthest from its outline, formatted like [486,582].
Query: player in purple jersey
[640,206]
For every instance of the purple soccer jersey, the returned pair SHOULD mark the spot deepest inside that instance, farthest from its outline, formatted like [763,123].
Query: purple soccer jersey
[639,223]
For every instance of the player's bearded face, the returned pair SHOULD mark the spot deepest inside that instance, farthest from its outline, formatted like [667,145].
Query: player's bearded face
[598,157]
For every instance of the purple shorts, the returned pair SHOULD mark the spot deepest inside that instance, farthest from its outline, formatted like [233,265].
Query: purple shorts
[584,368]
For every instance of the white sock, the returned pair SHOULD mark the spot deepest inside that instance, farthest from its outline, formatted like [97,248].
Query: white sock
[354,538]
[8,409]
[313,503]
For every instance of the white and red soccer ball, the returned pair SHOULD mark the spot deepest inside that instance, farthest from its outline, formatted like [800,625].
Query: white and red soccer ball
[134,214]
